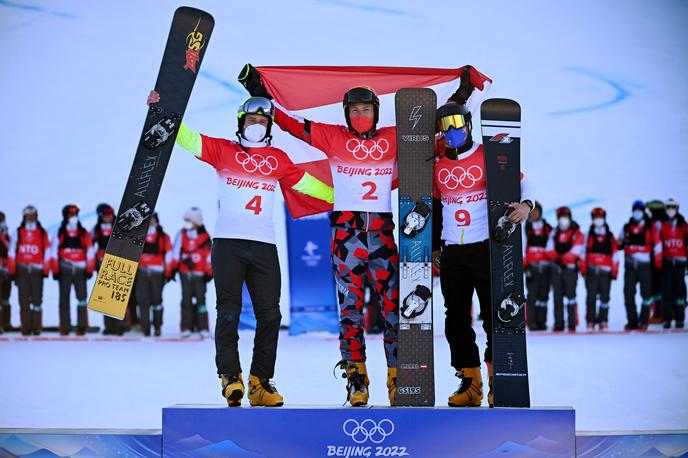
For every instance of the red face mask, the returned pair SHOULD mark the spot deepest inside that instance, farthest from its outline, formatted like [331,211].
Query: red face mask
[361,124]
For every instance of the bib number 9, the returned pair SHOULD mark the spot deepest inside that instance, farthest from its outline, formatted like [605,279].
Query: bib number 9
[463,218]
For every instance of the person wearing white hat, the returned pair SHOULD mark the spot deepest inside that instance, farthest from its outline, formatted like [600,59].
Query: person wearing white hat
[191,258]
[674,236]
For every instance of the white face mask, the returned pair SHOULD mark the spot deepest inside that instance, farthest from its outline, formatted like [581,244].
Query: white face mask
[73,221]
[187,225]
[152,229]
[564,222]
[671,212]
[598,222]
[30,226]
[638,215]
[255,133]
[538,224]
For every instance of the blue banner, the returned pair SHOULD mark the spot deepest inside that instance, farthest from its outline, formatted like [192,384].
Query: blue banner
[79,445]
[311,282]
[201,431]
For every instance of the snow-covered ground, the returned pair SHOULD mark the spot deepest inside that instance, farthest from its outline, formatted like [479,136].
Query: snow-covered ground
[602,85]
[615,382]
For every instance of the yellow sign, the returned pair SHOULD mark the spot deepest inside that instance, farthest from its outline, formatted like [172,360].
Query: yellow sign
[113,287]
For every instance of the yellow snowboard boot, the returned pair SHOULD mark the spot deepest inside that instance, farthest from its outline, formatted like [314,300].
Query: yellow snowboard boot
[392,385]
[470,391]
[490,396]
[357,381]
[261,392]
[232,388]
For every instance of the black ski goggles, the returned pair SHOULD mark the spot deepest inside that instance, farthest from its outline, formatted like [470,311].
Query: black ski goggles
[360,95]
[457,121]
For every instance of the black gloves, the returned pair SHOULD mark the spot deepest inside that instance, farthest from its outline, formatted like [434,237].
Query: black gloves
[250,79]
[465,88]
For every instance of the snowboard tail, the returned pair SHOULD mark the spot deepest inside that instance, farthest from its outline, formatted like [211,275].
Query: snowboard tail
[186,45]
[415,117]
[501,132]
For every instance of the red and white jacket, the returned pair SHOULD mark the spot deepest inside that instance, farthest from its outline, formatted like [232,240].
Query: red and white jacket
[600,252]
[566,247]
[29,248]
[4,248]
[537,236]
[73,246]
[157,251]
[101,234]
[462,187]
[362,169]
[191,252]
[674,237]
[640,242]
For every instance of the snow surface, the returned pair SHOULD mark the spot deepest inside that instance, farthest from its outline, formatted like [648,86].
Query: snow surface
[615,382]
[602,86]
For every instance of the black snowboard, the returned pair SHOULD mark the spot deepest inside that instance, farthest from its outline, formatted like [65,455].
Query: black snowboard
[415,115]
[501,130]
[184,51]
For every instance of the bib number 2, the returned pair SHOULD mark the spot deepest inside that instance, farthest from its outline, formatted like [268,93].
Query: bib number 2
[370,195]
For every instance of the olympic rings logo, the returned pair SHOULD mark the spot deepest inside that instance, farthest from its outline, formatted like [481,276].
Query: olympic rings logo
[364,149]
[251,163]
[460,176]
[368,430]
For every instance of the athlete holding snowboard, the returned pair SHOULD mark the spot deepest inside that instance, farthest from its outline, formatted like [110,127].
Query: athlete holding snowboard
[461,244]
[244,248]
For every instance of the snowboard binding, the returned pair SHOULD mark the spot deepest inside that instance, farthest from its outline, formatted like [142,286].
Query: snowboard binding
[161,131]
[510,307]
[415,303]
[134,216]
[415,220]
[504,227]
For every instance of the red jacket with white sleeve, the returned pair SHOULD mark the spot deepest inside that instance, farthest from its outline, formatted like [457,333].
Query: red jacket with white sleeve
[600,251]
[673,234]
[157,250]
[191,252]
[74,246]
[565,248]
[640,242]
[537,235]
[29,247]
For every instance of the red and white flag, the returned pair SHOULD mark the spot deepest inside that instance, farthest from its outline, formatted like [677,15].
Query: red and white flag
[316,93]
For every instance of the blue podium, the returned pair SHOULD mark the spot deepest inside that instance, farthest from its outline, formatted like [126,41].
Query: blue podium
[307,431]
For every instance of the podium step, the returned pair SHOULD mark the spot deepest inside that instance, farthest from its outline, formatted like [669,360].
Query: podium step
[308,431]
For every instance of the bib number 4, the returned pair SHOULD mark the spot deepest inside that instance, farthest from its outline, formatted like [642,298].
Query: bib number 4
[254,205]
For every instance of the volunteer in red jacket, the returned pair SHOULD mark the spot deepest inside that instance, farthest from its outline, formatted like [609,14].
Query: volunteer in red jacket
[600,265]
[362,160]
[5,280]
[461,242]
[154,267]
[244,250]
[639,239]
[29,264]
[191,258]
[564,248]
[537,267]
[73,262]
[674,237]
[101,235]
